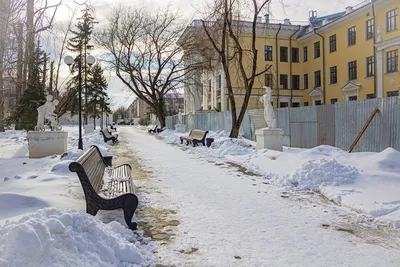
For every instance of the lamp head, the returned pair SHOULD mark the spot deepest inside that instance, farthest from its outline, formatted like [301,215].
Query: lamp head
[90,60]
[69,60]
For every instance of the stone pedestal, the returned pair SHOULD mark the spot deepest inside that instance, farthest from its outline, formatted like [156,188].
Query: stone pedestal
[271,138]
[43,144]
[88,129]
[180,128]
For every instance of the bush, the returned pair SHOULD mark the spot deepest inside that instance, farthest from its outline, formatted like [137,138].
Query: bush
[144,121]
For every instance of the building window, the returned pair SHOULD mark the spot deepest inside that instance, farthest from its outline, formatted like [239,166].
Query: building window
[391,20]
[370,66]
[284,54]
[333,74]
[305,54]
[352,70]
[318,102]
[317,49]
[295,54]
[305,81]
[352,98]
[317,78]
[284,104]
[371,96]
[392,61]
[351,36]
[284,81]
[269,80]
[369,25]
[267,53]
[332,43]
[392,93]
[306,104]
[295,105]
[295,82]
[219,82]
[333,100]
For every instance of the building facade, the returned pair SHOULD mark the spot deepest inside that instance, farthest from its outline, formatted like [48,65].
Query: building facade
[346,56]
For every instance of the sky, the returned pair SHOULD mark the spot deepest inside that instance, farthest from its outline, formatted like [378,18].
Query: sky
[191,9]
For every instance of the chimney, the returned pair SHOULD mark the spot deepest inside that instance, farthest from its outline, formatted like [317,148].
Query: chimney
[287,22]
[349,9]
[266,18]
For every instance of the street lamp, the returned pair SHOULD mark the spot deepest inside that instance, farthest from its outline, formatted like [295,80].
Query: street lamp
[69,60]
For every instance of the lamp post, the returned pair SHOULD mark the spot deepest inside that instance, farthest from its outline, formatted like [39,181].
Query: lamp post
[69,60]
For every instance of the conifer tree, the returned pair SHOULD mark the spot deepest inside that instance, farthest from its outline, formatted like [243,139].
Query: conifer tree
[25,112]
[97,93]
[80,43]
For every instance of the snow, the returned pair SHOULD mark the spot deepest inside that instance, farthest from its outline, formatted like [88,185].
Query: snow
[236,206]
[365,182]
[233,219]
[42,222]
[57,237]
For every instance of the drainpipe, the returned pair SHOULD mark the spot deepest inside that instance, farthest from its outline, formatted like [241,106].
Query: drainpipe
[290,71]
[277,62]
[323,66]
[373,47]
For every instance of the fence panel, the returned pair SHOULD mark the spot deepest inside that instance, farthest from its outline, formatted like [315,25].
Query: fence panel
[326,125]
[383,132]
[303,127]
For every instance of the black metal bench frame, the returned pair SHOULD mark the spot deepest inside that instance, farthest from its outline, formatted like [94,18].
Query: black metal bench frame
[112,137]
[128,202]
[195,142]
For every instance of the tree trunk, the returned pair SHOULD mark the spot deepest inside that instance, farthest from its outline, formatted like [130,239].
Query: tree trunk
[94,122]
[3,21]
[30,44]
[160,112]
[50,89]
[20,63]
[44,72]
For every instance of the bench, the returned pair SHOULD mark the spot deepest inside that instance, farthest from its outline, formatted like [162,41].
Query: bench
[155,130]
[108,136]
[90,168]
[112,127]
[195,137]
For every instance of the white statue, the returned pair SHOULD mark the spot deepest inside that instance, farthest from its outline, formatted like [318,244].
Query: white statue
[180,117]
[379,34]
[46,111]
[269,114]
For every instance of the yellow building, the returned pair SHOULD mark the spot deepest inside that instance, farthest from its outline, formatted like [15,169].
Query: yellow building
[351,55]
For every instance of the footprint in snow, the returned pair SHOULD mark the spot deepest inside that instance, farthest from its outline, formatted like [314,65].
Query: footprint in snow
[6,179]
[32,177]
[17,177]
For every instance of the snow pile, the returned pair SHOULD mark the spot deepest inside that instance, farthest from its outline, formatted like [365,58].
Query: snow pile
[232,147]
[55,237]
[170,137]
[316,173]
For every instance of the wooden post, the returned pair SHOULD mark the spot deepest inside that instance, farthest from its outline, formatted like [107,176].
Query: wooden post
[363,130]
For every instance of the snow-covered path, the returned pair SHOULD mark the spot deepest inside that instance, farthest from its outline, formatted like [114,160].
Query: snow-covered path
[234,221]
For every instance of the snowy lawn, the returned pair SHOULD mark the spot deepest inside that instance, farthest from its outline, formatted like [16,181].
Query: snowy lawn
[42,218]
[233,218]
[366,182]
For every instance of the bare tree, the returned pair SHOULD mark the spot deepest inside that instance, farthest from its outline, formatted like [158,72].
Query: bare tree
[142,49]
[224,30]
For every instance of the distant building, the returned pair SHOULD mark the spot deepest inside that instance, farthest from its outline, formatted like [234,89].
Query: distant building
[140,109]
[346,56]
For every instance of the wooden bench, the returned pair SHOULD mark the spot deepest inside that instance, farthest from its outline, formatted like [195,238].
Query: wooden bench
[108,136]
[195,137]
[90,168]
[155,130]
